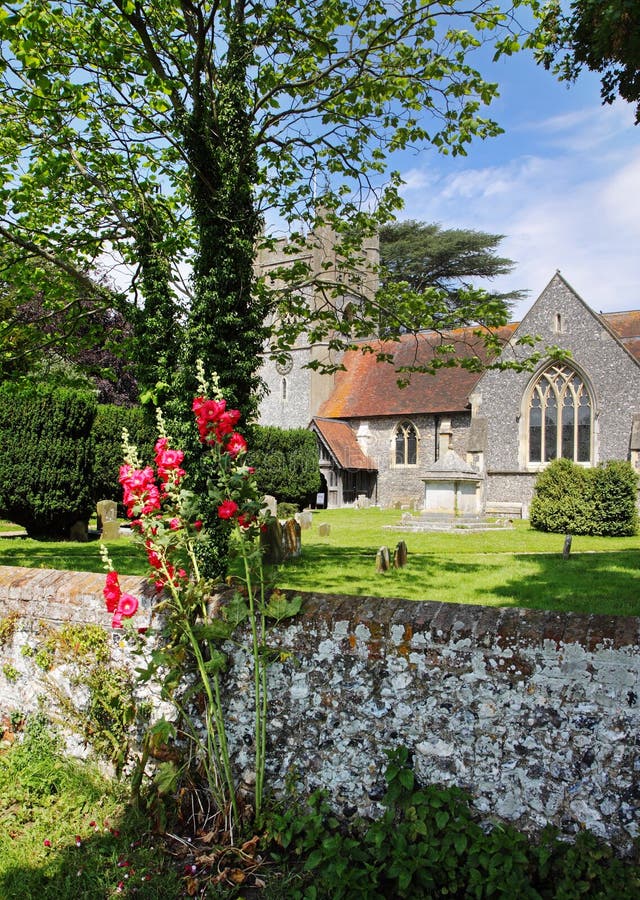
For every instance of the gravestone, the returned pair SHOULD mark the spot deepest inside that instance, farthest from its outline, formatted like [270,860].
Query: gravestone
[292,539]
[400,555]
[79,531]
[382,560]
[305,519]
[271,542]
[108,519]
[324,529]
[270,503]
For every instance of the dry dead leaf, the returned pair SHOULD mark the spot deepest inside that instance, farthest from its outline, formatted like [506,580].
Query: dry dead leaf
[193,886]
[249,847]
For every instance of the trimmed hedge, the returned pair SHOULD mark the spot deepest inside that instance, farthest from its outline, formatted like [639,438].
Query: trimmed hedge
[107,438]
[286,462]
[570,499]
[46,457]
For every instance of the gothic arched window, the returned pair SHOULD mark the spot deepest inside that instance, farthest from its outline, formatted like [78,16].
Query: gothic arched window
[406,445]
[560,416]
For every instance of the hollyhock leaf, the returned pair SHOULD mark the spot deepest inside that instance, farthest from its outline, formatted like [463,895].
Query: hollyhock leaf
[281,607]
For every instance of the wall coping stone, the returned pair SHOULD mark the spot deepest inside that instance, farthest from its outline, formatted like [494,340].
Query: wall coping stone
[67,596]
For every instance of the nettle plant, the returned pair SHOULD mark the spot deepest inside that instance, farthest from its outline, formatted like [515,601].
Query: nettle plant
[190,658]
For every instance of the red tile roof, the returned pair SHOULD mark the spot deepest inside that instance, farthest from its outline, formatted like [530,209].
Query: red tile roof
[626,326]
[370,388]
[342,442]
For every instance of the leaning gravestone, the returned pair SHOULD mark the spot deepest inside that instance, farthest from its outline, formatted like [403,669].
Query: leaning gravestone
[292,539]
[324,529]
[108,519]
[271,542]
[400,555]
[382,559]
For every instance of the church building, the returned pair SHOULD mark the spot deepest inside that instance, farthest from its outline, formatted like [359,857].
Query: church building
[464,442]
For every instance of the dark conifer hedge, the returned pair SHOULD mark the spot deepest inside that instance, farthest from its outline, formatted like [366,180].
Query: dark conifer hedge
[286,463]
[46,457]
[108,455]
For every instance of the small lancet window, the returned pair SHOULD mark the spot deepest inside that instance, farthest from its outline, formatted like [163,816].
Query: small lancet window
[406,445]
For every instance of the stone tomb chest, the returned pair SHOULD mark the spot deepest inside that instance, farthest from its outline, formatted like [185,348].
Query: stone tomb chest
[452,487]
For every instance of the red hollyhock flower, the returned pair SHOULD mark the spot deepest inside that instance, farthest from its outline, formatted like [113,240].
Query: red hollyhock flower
[111,591]
[236,445]
[228,509]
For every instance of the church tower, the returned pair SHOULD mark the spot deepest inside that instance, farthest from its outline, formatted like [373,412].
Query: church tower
[296,393]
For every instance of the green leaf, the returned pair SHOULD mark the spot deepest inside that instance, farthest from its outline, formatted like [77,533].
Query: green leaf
[166,778]
[280,607]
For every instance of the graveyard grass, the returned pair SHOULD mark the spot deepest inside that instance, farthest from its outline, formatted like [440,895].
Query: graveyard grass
[512,567]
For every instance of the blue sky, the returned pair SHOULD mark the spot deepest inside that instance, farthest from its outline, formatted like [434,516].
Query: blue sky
[562,184]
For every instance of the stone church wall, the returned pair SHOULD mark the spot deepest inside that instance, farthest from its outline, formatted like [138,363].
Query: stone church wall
[403,484]
[536,714]
[294,410]
[611,374]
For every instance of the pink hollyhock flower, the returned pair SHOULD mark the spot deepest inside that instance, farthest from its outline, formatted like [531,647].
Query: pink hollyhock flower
[127,606]
[175,524]
[236,445]
[228,509]
[198,524]
[168,463]
[244,520]
[116,622]
[47,842]
[139,487]
[111,591]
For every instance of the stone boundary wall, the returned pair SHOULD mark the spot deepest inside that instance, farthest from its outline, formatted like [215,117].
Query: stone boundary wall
[536,714]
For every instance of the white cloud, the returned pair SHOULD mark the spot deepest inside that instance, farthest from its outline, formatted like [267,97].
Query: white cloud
[566,198]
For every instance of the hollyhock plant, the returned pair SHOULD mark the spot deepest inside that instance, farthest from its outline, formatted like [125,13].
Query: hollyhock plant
[168,522]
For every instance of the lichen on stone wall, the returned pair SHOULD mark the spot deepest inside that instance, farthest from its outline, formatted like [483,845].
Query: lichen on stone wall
[536,714]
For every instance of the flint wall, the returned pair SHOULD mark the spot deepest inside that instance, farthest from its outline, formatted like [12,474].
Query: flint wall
[535,713]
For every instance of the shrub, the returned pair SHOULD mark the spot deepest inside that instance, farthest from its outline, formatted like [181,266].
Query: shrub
[286,463]
[571,499]
[615,499]
[46,457]
[286,510]
[107,439]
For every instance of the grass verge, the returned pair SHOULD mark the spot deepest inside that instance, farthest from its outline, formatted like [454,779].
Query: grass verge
[67,833]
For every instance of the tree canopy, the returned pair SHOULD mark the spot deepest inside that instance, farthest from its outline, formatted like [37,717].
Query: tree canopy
[147,144]
[450,259]
[603,36]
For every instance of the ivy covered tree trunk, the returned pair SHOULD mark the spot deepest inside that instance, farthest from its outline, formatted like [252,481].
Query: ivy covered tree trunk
[156,347]
[226,326]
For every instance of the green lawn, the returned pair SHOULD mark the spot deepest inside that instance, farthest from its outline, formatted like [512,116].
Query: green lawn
[516,567]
